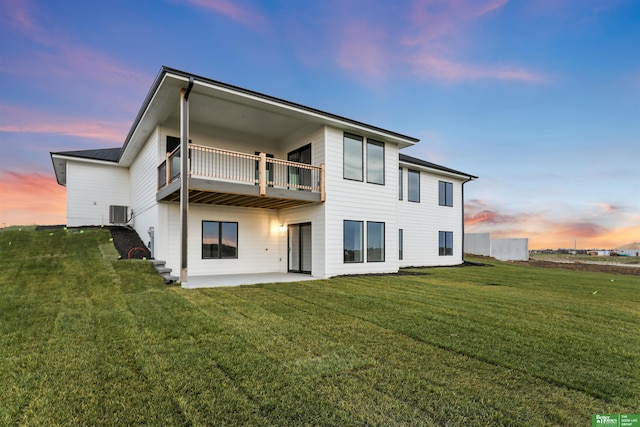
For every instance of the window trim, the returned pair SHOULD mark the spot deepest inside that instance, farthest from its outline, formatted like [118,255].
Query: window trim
[377,144]
[445,193]
[344,157]
[409,172]
[383,241]
[219,239]
[445,250]
[344,260]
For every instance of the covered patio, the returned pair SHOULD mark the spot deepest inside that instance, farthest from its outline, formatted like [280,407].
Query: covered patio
[215,281]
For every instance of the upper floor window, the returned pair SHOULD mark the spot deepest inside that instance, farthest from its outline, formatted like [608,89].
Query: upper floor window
[219,239]
[400,184]
[445,193]
[356,161]
[352,157]
[414,185]
[375,162]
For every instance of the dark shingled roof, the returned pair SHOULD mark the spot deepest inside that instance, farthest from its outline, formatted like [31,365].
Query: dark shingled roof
[420,162]
[104,154]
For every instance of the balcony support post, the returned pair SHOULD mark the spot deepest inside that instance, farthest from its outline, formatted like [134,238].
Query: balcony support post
[262,175]
[184,179]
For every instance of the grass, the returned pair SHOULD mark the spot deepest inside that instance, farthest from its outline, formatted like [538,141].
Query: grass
[89,340]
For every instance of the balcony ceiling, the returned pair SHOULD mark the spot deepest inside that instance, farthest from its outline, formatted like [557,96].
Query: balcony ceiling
[217,105]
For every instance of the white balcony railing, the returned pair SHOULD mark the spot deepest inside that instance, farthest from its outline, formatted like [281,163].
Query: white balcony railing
[236,167]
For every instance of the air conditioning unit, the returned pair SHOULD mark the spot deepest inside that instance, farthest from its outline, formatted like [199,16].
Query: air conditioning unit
[118,214]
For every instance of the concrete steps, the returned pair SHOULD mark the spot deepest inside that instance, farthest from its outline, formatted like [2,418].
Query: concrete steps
[164,271]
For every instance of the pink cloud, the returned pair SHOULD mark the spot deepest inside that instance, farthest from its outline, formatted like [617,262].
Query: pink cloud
[16,14]
[25,193]
[242,14]
[429,65]
[57,57]
[432,38]
[364,55]
[545,230]
[25,120]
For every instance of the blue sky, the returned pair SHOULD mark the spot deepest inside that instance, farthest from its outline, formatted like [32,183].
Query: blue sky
[540,99]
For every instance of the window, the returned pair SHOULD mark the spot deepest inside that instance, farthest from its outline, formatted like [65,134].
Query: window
[375,162]
[353,241]
[414,186]
[400,243]
[445,193]
[400,184]
[375,241]
[300,176]
[219,240]
[446,243]
[352,157]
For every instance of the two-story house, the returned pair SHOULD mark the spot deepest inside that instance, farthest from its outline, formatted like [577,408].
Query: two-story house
[222,180]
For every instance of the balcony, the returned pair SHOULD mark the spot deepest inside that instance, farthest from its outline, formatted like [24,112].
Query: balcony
[223,177]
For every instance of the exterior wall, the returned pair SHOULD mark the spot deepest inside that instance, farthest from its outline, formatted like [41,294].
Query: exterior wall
[144,185]
[314,214]
[259,240]
[510,249]
[477,243]
[359,201]
[421,222]
[91,188]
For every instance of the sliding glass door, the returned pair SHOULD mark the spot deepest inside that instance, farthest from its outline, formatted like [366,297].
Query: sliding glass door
[299,245]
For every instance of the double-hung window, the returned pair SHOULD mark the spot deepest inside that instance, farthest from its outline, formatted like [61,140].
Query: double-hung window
[445,193]
[445,244]
[219,240]
[413,184]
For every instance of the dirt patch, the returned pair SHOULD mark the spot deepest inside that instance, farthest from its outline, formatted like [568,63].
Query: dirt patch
[582,266]
[128,244]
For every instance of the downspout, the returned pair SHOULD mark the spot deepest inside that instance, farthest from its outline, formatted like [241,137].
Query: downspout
[184,179]
[463,183]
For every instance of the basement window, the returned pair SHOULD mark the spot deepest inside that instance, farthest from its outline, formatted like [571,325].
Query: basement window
[445,244]
[219,240]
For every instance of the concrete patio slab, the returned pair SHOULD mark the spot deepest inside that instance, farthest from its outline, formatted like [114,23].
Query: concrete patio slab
[196,282]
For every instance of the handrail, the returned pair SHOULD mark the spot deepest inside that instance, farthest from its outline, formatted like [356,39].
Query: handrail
[234,166]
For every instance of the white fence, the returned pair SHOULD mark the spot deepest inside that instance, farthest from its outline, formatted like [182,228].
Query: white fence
[501,249]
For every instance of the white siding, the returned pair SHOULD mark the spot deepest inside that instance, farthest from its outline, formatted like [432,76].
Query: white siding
[91,188]
[144,184]
[313,214]
[422,221]
[259,240]
[359,201]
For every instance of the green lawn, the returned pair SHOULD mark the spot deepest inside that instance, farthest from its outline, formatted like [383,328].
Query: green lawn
[89,340]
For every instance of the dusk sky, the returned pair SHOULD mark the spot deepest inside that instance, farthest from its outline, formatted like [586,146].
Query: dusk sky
[539,98]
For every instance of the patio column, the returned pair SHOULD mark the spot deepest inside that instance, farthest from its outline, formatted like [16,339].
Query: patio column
[184,179]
